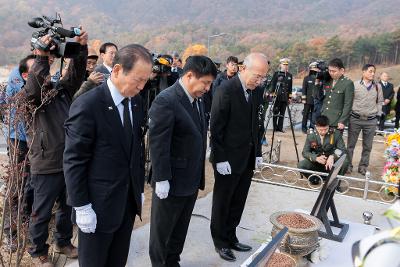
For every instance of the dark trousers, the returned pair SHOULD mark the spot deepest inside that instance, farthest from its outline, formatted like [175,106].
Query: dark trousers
[49,189]
[316,111]
[108,249]
[315,166]
[307,114]
[17,151]
[382,119]
[396,122]
[229,197]
[169,224]
[279,115]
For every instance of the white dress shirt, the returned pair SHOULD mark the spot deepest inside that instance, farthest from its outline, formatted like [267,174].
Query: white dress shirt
[117,99]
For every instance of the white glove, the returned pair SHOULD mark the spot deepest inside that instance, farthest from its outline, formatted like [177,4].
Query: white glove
[86,218]
[224,168]
[143,198]
[259,161]
[162,189]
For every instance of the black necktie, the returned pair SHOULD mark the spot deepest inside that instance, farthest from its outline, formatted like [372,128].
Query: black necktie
[248,96]
[196,113]
[127,123]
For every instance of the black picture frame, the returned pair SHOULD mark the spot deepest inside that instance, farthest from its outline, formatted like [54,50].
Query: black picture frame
[325,202]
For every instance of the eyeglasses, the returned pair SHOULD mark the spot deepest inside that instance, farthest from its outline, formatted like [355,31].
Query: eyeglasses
[258,77]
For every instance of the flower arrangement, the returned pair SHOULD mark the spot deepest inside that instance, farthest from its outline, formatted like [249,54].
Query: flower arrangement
[391,170]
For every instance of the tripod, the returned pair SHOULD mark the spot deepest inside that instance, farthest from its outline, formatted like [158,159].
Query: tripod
[271,114]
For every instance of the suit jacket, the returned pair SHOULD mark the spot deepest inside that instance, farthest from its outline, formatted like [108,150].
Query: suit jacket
[236,125]
[388,92]
[177,142]
[98,166]
[102,69]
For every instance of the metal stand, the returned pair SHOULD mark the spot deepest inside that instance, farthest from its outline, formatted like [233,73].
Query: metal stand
[321,212]
[271,115]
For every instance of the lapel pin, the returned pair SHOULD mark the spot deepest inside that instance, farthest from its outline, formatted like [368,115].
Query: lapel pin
[110,108]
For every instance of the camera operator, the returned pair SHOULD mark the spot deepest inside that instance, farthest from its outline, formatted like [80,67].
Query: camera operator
[339,94]
[48,108]
[282,84]
[93,78]
[309,89]
[17,150]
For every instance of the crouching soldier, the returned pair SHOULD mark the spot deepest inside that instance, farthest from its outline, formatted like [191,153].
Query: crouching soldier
[322,148]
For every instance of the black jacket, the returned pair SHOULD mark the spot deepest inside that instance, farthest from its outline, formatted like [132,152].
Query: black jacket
[98,166]
[177,144]
[102,69]
[236,126]
[221,77]
[48,110]
[388,92]
[309,89]
[282,84]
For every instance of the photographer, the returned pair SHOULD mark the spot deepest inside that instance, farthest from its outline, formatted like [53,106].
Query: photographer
[93,78]
[308,96]
[282,84]
[48,108]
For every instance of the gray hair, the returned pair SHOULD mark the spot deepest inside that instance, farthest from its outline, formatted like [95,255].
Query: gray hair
[248,61]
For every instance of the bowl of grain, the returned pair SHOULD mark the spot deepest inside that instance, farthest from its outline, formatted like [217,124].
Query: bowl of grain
[302,236]
[279,259]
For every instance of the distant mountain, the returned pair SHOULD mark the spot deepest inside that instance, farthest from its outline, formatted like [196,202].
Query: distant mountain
[165,25]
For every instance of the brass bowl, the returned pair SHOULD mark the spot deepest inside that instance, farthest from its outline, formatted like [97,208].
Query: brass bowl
[298,241]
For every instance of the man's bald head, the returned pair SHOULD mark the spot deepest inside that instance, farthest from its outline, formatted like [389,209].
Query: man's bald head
[255,68]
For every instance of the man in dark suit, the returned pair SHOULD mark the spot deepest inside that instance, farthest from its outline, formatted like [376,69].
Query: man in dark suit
[236,132]
[107,54]
[177,148]
[388,94]
[103,160]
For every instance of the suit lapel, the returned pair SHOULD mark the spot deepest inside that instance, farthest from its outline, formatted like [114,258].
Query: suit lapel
[113,118]
[186,103]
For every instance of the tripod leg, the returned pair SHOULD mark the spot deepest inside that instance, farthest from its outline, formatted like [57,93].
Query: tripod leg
[293,135]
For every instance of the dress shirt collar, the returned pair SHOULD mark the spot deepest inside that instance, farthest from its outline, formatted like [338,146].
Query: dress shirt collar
[115,94]
[243,85]
[191,99]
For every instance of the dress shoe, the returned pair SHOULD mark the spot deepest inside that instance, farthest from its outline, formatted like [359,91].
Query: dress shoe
[362,171]
[70,251]
[226,254]
[42,261]
[240,247]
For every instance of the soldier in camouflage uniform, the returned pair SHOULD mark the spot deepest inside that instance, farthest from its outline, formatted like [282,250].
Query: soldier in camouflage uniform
[322,148]
[339,94]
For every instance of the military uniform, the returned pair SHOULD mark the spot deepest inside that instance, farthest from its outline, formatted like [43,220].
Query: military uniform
[332,144]
[338,101]
[282,85]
